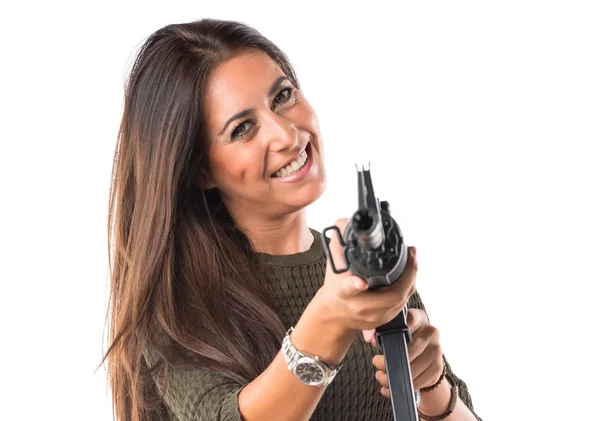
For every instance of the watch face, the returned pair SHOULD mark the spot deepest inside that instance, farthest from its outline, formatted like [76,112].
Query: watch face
[309,372]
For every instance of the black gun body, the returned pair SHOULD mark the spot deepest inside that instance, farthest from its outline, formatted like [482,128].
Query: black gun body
[382,266]
[374,250]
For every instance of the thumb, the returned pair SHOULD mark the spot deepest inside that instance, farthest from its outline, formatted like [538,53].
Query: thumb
[352,286]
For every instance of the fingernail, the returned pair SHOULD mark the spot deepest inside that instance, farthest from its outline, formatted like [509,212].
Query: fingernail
[414,251]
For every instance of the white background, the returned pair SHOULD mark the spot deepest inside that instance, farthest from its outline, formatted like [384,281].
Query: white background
[481,122]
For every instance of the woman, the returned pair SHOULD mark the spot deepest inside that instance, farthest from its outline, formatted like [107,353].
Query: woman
[219,154]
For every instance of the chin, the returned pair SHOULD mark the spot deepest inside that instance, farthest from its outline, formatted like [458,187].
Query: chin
[318,191]
[307,196]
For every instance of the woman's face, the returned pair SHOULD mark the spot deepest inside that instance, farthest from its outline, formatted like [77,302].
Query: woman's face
[265,152]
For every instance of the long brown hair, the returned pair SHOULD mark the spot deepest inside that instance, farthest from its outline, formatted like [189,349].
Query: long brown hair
[179,267]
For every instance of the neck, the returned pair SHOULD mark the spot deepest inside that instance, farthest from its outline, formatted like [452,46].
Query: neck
[287,235]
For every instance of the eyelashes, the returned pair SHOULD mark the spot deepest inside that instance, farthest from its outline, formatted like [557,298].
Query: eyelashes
[290,95]
[239,132]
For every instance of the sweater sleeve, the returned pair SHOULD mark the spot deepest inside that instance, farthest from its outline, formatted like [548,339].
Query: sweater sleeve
[193,394]
[463,391]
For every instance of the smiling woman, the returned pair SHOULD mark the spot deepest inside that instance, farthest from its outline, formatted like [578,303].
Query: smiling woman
[223,306]
[252,152]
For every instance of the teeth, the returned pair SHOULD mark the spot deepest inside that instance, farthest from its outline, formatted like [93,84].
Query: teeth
[294,166]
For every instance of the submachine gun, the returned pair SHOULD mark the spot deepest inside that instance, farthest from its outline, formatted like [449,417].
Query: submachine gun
[374,250]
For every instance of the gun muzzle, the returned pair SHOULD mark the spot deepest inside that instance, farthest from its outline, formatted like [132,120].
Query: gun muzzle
[368,229]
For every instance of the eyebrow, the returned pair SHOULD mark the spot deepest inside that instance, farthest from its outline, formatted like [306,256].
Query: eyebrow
[245,112]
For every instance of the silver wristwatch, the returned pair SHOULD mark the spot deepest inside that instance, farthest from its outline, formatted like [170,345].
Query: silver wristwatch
[309,370]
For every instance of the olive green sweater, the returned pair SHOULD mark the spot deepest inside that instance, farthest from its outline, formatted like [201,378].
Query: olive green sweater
[196,395]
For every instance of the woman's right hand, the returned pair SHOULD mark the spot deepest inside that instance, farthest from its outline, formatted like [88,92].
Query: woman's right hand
[347,301]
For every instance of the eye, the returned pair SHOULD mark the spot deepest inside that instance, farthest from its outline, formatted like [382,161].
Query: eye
[283,96]
[241,130]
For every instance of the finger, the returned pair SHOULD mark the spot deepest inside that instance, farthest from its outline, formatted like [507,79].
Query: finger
[427,337]
[351,286]
[385,392]
[382,379]
[369,335]
[415,319]
[429,376]
[379,362]
[427,368]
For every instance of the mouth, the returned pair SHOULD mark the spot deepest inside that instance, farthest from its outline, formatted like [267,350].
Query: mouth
[294,165]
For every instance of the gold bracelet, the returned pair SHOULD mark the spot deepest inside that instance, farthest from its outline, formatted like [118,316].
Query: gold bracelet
[451,406]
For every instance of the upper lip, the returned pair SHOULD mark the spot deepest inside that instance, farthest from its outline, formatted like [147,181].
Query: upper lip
[291,159]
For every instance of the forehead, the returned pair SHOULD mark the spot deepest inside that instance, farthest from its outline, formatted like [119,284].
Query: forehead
[238,83]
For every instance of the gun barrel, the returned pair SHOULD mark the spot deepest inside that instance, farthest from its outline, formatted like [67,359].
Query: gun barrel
[366,222]
[368,228]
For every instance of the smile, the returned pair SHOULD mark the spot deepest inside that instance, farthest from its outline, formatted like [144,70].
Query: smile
[293,167]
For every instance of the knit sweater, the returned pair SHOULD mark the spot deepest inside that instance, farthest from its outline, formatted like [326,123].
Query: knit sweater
[193,394]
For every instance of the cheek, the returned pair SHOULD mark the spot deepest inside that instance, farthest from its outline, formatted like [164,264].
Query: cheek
[235,163]
[305,118]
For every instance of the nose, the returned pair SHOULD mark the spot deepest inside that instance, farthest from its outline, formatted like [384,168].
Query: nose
[282,133]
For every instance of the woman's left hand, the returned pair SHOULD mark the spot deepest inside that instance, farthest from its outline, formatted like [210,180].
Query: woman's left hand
[424,351]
